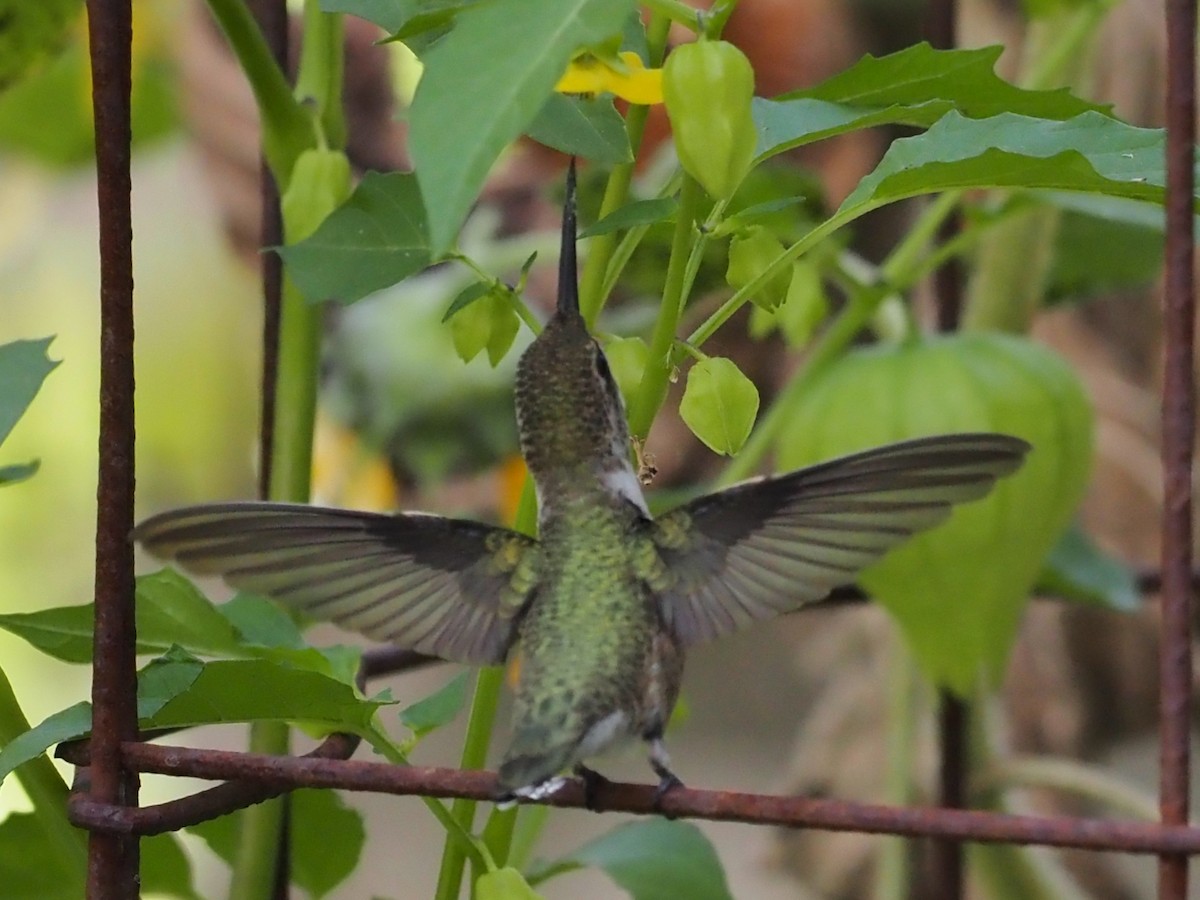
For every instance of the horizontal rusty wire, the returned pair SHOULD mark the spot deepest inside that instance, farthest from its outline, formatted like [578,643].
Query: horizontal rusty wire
[283,773]
[172,815]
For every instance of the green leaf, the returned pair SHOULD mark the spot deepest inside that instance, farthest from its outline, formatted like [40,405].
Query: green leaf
[25,859]
[589,128]
[14,474]
[966,78]
[165,868]
[24,365]
[32,31]
[627,359]
[467,296]
[1079,570]
[631,215]
[375,239]
[750,253]
[719,404]
[505,325]
[327,839]
[657,859]
[483,85]
[169,611]
[504,884]
[485,321]
[178,690]
[61,726]
[805,306]
[1091,153]
[249,690]
[915,86]
[401,18]
[438,709]
[259,622]
[1095,256]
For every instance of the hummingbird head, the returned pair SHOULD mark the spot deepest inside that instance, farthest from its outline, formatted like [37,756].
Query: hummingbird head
[569,411]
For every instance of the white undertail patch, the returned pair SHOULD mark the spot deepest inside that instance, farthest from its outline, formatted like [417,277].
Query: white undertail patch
[540,790]
[623,482]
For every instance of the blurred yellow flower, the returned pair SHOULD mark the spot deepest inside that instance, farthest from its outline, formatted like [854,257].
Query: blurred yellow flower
[631,81]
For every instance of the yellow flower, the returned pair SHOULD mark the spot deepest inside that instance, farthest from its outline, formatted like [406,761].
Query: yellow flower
[591,75]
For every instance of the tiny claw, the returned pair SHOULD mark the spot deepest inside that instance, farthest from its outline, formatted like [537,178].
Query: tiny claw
[592,782]
[667,781]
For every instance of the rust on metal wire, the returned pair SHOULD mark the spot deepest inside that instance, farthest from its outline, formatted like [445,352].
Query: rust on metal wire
[172,815]
[286,772]
[1178,437]
[113,858]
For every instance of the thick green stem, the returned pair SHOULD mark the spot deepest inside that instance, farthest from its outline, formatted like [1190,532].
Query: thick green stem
[286,127]
[474,756]
[261,827]
[1009,280]
[1008,284]
[319,79]
[892,877]
[295,396]
[46,791]
[592,290]
[254,869]
[653,387]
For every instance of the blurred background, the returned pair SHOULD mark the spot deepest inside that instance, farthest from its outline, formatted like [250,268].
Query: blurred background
[405,423]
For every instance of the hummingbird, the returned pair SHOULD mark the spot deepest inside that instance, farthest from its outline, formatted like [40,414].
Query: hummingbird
[604,603]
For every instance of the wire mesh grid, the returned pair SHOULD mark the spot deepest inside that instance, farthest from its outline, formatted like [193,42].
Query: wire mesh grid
[115,755]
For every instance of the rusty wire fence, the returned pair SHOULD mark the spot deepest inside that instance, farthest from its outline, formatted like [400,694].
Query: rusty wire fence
[106,801]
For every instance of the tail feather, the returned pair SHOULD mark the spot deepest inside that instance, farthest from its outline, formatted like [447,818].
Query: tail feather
[532,762]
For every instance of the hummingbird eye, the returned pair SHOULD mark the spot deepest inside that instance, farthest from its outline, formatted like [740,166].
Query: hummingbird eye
[602,366]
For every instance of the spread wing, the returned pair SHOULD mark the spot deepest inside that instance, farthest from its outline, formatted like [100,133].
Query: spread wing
[445,587]
[770,545]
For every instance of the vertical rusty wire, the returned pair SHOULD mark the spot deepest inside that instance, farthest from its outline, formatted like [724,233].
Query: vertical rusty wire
[113,858]
[1179,409]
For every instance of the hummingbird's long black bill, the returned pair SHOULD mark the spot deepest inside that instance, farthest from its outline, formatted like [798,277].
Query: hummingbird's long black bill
[568,276]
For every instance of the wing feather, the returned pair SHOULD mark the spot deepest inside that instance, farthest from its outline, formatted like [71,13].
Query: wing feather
[771,545]
[439,586]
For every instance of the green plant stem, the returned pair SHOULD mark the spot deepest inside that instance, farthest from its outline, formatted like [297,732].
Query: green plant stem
[592,290]
[286,127]
[475,748]
[46,790]
[1067,776]
[254,869]
[905,260]
[1007,872]
[892,876]
[261,829]
[653,387]
[1057,44]
[1008,283]
[674,11]
[319,78]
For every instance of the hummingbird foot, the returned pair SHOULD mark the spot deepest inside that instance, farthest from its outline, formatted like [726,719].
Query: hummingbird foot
[593,781]
[660,762]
